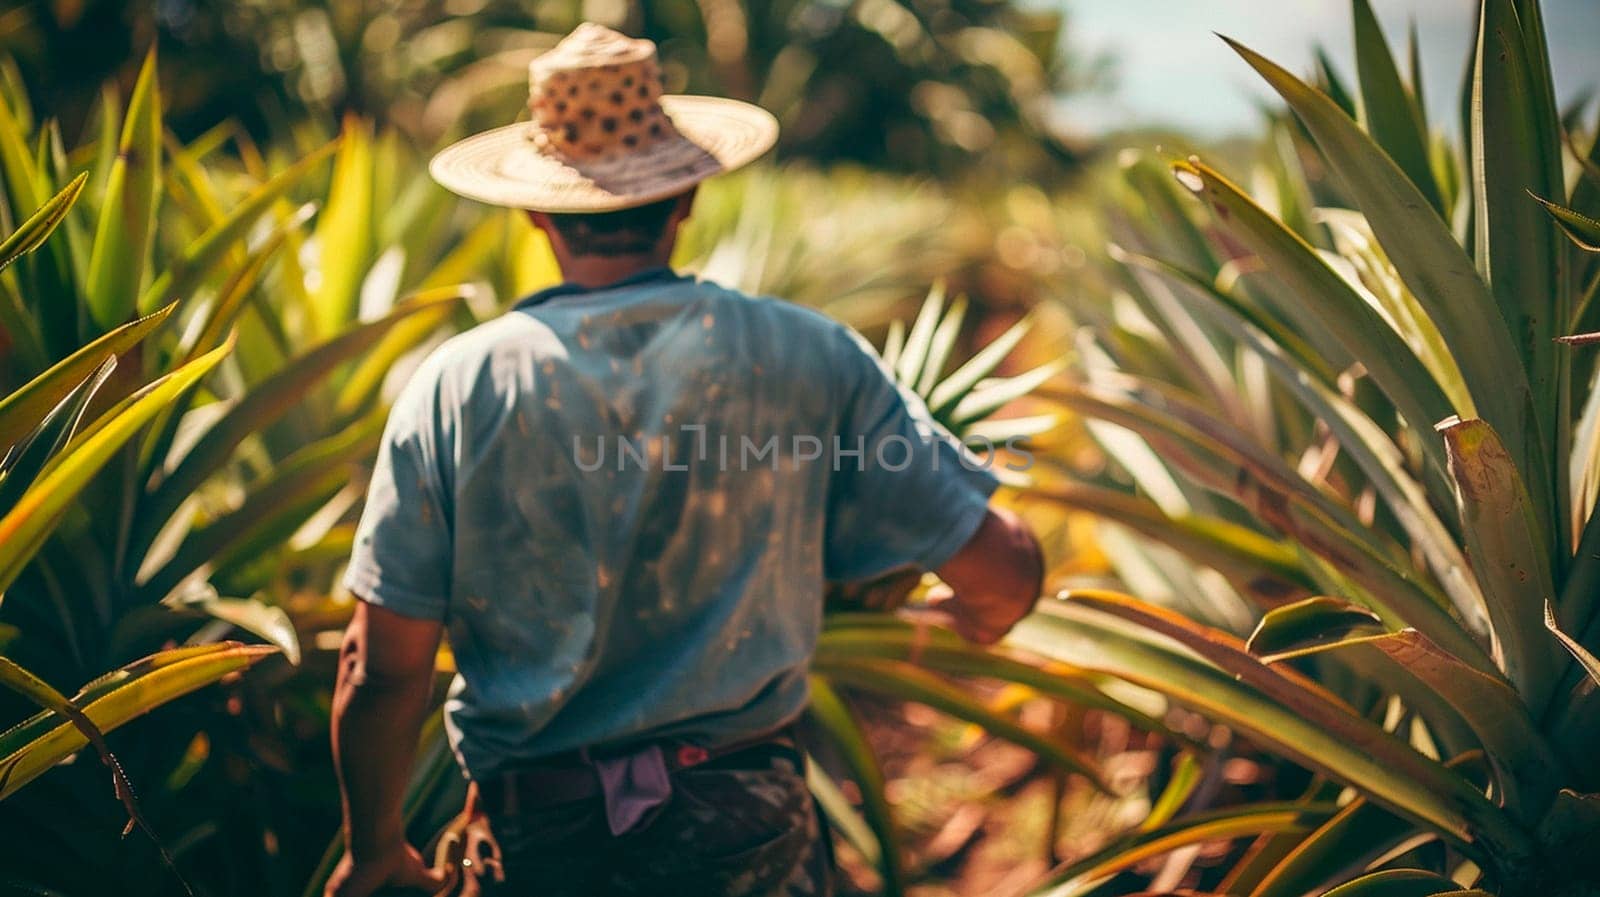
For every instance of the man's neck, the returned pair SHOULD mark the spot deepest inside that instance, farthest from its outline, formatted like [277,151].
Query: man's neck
[595,271]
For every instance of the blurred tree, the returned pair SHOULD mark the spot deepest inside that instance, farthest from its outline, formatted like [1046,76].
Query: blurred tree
[932,86]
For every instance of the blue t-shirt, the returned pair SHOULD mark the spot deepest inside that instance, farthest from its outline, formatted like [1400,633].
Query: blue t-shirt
[623,504]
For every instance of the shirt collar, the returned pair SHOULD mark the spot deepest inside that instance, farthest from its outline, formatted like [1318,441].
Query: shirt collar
[568,288]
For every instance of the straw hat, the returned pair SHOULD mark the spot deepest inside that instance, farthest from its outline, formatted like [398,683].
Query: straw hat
[602,137]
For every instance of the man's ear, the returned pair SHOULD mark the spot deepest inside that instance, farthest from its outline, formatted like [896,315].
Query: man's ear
[541,221]
[683,207]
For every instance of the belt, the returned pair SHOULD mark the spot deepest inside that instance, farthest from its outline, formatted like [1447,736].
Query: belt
[571,776]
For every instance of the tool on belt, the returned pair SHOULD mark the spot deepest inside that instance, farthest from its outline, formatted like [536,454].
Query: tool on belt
[635,784]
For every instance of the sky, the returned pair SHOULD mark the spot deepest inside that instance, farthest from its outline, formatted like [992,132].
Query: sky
[1169,69]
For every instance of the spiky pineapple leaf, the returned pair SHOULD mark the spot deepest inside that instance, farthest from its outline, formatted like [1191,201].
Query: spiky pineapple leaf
[24,529]
[1585,658]
[1388,108]
[41,224]
[1432,264]
[1579,228]
[126,226]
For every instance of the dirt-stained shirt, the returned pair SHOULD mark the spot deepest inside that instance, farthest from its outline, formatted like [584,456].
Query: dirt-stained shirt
[623,504]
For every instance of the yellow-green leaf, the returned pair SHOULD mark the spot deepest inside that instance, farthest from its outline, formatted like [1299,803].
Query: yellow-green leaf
[344,233]
[40,742]
[1579,228]
[24,530]
[126,227]
[22,409]
[197,260]
[1390,114]
[41,223]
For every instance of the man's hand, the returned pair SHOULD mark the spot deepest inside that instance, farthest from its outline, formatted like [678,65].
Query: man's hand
[379,703]
[402,868]
[996,578]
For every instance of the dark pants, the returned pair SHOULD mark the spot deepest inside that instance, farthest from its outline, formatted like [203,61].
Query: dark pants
[725,832]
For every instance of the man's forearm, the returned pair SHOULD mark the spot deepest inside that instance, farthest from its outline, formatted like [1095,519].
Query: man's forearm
[375,727]
[996,577]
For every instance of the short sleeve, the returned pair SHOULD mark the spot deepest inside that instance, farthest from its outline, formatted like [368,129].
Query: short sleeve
[904,490]
[401,558]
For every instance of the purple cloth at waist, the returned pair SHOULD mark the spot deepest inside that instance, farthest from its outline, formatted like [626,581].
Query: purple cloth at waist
[634,784]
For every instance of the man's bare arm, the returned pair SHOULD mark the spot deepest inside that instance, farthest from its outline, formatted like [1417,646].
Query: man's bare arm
[996,578]
[379,703]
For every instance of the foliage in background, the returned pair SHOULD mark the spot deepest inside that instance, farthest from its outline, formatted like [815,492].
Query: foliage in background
[190,376]
[908,86]
[1355,423]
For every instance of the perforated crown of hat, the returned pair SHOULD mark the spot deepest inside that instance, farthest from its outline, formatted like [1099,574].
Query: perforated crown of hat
[601,135]
[596,96]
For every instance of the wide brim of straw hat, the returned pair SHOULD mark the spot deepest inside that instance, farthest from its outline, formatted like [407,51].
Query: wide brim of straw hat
[505,167]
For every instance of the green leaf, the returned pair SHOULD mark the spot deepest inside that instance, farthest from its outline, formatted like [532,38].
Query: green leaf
[361,389]
[14,92]
[1579,228]
[991,395]
[1185,779]
[939,347]
[1529,772]
[842,816]
[1217,455]
[344,234]
[43,318]
[21,410]
[1260,566]
[908,367]
[53,433]
[126,227]
[1373,450]
[1370,267]
[1414,70]
[1508,550]
[107,123]
[1333,84]
[1310,728]
[894,343]
[1388,109]
[1588,661]
[1527,766]
[264,403]
[1208,291]
[230,300]
[1226,824]
[1396,883]
[197,261]
[905,682]
[953,389]
[253,615]
[33,746]
[855,636]
[1515,149]
[33,232]
[36,690]
[1434,267]
[1320,301]
[23,185]
[1308,626]
[1160,201]
[1357,834]
[24,530]
[835,719]
[1202,353]
[279,506]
